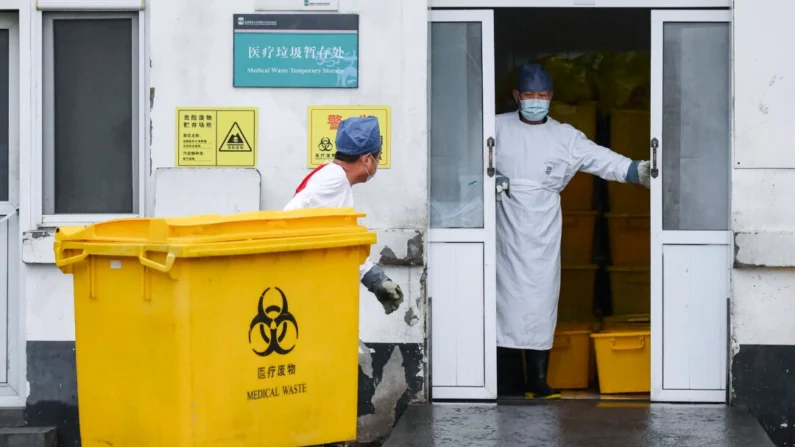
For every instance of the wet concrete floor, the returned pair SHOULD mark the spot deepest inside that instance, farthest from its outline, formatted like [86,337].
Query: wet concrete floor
[577,424]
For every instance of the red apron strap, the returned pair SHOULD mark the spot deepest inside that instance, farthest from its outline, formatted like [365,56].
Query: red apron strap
[309,176]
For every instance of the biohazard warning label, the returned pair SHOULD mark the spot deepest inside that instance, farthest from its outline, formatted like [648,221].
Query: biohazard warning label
[216,137]
[235,141]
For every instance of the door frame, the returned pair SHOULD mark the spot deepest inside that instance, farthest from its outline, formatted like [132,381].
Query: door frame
[487,234]
[12,344]
[692,9]
[645,4]
[659,238]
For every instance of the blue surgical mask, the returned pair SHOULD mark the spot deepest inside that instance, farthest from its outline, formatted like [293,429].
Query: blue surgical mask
[534,109]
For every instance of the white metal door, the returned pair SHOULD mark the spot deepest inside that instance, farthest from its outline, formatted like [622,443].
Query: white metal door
[690,211]
[9,175]
[462,253]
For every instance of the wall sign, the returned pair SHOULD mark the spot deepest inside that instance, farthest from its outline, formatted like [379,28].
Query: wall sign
[217,137]
[323,123]
[296,5]
[296,50]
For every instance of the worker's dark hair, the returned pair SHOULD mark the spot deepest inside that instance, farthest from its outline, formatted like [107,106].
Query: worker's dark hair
[347,158]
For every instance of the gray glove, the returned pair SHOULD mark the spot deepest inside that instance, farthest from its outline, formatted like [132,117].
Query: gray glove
[644,173]
[503,185]
[639,173]
[388,293]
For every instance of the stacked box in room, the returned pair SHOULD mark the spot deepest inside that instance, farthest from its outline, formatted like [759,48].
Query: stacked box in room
[578,273]
[572,362]
[578,194]
[575,304]
[623,360]
[628,222]
[629,136]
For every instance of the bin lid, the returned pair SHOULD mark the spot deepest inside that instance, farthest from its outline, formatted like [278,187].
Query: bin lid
[578,213]
[618,333]
[566,108]
[630,269]
[213,235]
[218,228]
[574,328]
[620,111]
[631,318]
[581,267]
[627,215]
[625,327]
[573,332]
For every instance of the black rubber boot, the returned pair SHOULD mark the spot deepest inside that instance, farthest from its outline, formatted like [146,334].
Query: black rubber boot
[537,366]
[510,372]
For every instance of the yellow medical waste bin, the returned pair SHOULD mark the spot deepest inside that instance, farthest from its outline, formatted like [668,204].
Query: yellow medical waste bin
[623,360]
[234,331]
[570,361]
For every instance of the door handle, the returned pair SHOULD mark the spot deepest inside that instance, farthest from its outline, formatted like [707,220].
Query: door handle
[654,171]
[490,144]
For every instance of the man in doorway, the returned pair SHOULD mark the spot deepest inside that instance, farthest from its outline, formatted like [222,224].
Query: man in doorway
[330,186]
[536,158]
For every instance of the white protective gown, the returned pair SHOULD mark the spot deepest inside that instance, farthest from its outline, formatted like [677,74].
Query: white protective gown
[539,160]
[327,188]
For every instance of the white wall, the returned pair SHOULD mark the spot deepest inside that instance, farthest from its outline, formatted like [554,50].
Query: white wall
[191,65]
[191,52]
[763,217]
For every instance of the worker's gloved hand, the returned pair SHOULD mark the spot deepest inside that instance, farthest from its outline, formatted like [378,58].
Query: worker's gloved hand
[388,293]
[644,173]
[639,172]
[503,185]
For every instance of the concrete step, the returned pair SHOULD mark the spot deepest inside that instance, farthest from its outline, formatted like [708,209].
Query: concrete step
[28,437]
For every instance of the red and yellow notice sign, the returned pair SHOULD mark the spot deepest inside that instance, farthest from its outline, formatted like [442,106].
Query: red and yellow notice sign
[323,124]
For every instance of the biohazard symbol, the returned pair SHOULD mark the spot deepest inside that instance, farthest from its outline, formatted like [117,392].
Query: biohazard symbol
[325,145]
[235,141]
[273,323]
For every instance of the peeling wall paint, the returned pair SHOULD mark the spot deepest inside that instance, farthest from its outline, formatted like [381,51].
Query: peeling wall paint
[415,253]
[764,381]
[397,380]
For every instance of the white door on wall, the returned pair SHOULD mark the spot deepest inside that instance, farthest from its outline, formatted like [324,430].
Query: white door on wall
[462,253]
[9,177]
[690,212]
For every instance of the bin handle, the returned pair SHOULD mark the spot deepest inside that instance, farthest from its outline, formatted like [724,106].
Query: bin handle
[163,268]
[71,260]
[562,345]
[614,346]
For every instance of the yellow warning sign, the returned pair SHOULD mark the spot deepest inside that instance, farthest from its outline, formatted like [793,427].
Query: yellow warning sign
[217,137]
[323,124]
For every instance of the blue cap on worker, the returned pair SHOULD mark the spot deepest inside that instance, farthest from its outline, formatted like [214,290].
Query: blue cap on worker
[533,78]
[359,136]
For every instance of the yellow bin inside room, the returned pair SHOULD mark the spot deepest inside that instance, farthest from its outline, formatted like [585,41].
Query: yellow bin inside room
[570,361]
[238,331]
[623,360]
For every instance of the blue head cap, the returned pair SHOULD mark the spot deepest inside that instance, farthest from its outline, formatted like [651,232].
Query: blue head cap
[359,136]
[533,78]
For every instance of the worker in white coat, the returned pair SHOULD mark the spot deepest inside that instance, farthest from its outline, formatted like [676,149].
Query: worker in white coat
[330,186]
[536,157]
